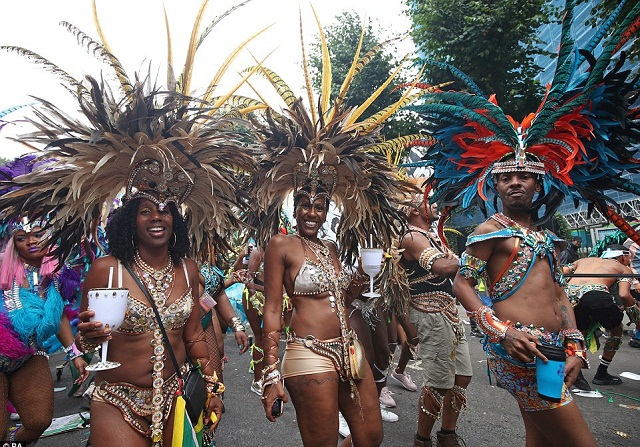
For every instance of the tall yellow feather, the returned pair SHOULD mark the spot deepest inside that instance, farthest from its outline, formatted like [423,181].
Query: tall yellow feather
[124,83]
[363,107]
[325,93]
[227,62]
[224,98]
[96,20]
[191,51]
[307,75]
[170,72]
[350,74]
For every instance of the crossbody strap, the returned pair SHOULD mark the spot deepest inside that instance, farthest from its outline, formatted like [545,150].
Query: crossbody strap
[160,325]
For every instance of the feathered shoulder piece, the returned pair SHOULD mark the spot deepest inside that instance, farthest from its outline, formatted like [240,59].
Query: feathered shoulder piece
[141,141]
[330,150]
[580,140]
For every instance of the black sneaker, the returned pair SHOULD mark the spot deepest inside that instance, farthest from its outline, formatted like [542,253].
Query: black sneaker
[634,343]
[607,379]
[581,383]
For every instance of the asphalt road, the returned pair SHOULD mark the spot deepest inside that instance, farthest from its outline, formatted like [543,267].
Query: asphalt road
[492,419]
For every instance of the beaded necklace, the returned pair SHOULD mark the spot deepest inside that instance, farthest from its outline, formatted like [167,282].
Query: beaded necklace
[157,281]
[323,254]
[160,284]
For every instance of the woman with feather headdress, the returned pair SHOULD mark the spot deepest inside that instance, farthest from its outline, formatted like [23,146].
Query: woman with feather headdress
[180,161]
[322,154]
[37,301]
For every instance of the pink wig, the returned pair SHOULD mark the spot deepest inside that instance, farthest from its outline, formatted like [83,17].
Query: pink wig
[11,267]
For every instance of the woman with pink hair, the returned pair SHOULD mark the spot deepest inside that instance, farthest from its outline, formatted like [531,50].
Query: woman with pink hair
[31,311]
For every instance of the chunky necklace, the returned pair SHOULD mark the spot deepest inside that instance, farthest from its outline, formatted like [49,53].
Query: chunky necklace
[159,282]
[323,254]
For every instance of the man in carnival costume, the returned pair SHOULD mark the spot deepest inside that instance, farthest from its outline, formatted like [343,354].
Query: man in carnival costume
[429,267]
[181,160]
[595,305]
[557,152]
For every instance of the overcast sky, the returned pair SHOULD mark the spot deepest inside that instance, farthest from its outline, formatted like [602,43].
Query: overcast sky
[136,33]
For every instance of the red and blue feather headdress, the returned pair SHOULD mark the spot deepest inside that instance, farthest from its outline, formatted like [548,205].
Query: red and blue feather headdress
[580,140]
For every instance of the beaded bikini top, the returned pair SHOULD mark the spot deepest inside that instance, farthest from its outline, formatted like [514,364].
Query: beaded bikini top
[139,317]
[530,246]
[313,279]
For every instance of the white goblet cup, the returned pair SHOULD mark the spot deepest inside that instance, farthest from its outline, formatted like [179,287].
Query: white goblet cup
[371,261]
[109,306]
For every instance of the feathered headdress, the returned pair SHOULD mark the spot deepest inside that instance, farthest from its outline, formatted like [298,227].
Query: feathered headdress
[328,150]
[159,143]
[579,140]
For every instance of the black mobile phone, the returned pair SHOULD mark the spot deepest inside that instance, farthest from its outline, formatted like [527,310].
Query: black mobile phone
[277,408]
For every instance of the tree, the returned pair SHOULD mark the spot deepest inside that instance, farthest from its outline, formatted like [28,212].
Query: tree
[492,42]
[342,38]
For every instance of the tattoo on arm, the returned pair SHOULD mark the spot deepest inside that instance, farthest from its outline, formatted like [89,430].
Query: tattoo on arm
[565,314]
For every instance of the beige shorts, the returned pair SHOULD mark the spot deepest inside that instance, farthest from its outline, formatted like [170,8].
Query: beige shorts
[444,355]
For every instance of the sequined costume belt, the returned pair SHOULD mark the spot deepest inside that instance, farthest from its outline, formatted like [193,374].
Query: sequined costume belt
[331,349]
[136,403]
[576,291]
[439,302]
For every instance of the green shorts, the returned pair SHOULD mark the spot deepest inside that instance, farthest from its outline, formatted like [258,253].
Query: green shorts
[444,355]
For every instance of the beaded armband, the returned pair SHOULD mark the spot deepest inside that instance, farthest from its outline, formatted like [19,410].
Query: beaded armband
[495,329]
[471,267]
[236,325]
[270,374]
[574,334]
[633,312]
[87,346]
[575,345]
[428,257]
[72,352]
[577,348]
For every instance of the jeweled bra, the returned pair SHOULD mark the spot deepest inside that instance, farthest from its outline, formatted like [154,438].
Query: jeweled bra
[533,245]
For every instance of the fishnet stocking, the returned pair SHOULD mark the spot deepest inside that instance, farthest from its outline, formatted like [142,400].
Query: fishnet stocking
[214,353]
[31,392]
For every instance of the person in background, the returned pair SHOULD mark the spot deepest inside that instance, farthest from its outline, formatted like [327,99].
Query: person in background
[595,306]
[31,312]
[433,312]
[570,254]
[634,251]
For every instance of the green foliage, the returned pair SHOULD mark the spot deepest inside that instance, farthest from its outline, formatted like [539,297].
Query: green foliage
[559,225]
[342,39]
[492,42]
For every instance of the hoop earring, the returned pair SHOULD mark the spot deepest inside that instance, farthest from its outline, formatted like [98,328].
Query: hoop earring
[175,240]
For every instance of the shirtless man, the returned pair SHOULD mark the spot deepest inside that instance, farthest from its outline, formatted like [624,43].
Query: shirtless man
[519,260]
[594,304]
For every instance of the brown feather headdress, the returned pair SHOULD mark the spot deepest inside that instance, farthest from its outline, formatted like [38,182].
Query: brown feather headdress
[193,153]
[330,152]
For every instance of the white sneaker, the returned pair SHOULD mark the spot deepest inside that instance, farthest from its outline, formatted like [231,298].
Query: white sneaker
[388,416]
[386,399]
[14,417]
[256,387]
[404,380]
[343,427]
